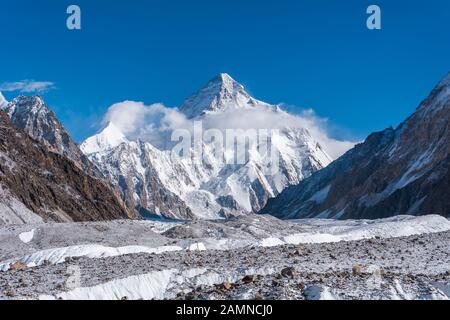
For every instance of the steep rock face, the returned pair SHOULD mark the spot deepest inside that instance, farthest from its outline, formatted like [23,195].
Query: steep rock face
[158,183]
[31,114]
[396,171]
[37,180]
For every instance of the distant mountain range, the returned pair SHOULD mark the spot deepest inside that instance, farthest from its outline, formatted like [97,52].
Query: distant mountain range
[396,171]
[46,176]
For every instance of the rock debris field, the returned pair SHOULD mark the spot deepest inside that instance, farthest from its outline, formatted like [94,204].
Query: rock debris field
[253,257]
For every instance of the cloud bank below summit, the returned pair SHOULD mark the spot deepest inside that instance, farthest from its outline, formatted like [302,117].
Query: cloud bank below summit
[155,123]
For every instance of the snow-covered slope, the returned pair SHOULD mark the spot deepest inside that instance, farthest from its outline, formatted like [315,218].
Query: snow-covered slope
[3,101]
[156,182]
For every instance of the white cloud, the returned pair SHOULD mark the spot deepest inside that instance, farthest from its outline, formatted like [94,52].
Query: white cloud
[27,86]
[155,123]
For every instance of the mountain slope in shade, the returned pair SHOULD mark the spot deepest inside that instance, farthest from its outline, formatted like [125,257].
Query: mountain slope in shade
[396,171]
[38,184]
[157,183]
[31,114]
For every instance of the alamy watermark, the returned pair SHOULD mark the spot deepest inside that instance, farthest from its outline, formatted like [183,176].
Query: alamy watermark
[74,279]
[73,21]
[374,20]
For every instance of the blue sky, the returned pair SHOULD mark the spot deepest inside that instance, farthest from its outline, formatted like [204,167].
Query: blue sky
[307,54]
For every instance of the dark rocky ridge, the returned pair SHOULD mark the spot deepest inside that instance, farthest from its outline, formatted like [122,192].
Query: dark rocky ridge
[396,171]
[51,185]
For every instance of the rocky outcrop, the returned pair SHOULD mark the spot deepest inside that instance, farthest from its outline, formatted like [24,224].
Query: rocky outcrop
[49,184]
[396,171]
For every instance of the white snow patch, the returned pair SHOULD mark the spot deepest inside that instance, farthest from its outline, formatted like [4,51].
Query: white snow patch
[108,138]
[3,101]
[147,286]
[443,290]
[158,284]
[316,292]
[58,255]
[352,230]
[271,242]
[26,237]
[398,293]
[93,251]
[197,247]
[311,238]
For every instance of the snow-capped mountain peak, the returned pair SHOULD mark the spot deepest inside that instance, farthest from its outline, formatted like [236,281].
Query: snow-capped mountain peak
[155,182]
[220,93]
[226,80]
[110,137]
